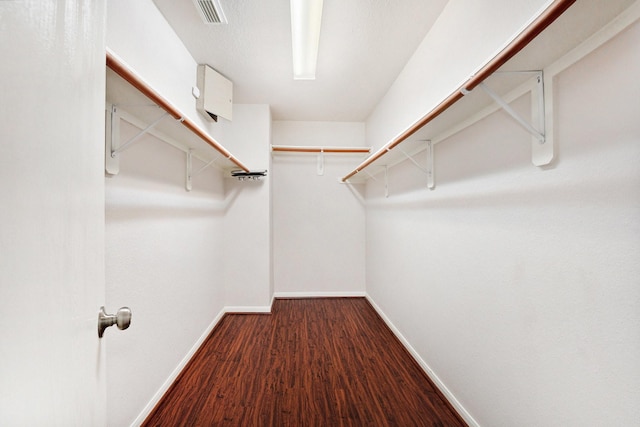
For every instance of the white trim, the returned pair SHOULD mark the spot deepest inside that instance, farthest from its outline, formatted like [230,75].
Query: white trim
[273,298]
[425,367]
[174,375]
[235,309]
[319,294]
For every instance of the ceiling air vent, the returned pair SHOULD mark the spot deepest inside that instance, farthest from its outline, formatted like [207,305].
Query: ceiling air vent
[210,11]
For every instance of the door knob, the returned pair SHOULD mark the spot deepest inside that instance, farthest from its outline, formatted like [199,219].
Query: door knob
[122,318]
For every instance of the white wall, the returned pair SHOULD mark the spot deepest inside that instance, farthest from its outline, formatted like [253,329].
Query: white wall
[168,253]
[179,259]
[164,259]
[501,280]
[247,241]
[318,226]
[519,287]
[466,35]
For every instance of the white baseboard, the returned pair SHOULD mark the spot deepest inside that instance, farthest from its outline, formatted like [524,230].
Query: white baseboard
[248,309]
[425,367]
[165,386]
[319,294]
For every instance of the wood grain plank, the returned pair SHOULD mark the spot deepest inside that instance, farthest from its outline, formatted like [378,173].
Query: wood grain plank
[312,362]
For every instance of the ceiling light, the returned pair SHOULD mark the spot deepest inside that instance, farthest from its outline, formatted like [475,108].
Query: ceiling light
[306,17]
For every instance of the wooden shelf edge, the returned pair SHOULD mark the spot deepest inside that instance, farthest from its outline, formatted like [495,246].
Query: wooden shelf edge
[301,149]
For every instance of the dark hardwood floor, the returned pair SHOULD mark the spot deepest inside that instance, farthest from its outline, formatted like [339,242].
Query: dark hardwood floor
[312,362]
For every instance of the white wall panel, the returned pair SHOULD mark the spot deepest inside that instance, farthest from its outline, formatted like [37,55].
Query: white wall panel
[164,260]
[519,286]
[247,241]
[318,223]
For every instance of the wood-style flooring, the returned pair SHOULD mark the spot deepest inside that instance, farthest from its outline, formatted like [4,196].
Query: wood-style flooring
[311,362]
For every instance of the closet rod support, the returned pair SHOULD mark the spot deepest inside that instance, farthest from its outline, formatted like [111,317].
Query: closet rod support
[321,162]
[431,185]
[188,185]
[507,108]
[370,175]
[412,160]
[202,169]
[128,144]
[386,181]
[191,173]
[428,170]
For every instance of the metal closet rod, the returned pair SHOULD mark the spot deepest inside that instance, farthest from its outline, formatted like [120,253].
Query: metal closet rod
[531,32]
[130,76]
[303,149]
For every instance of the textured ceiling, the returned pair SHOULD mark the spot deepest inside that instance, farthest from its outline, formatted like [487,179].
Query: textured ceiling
[364,44]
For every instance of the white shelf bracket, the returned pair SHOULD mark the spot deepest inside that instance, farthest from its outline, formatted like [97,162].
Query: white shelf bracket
[541,148]
[428,170]
[321,162]
[116,150]
[189,177]
[542,114]
[369,175]
[190,173]
[517,117]
[412,160]
[112,139]
[202,169]
[386,181]
[431,184]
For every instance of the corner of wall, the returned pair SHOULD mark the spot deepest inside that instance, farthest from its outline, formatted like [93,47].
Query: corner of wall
[146,411]
[425,366]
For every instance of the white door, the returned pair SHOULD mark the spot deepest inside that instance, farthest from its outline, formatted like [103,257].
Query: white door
[51,212]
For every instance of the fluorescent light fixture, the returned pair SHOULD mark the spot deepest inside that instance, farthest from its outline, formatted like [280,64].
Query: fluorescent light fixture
[306,17]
